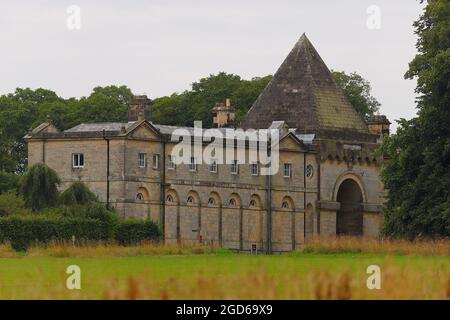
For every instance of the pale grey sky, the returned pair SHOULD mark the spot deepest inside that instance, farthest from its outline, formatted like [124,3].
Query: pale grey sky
[160,47]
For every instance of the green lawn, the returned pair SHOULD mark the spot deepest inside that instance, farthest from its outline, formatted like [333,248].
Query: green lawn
[294,276]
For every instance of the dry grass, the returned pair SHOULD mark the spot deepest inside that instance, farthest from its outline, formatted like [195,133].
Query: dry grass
[105,250]
[384,246]
[262,285]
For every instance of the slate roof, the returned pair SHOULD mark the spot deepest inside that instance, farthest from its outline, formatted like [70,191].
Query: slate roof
[304,95]
[107,126]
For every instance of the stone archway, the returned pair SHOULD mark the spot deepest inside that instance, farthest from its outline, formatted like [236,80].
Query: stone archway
[349,219]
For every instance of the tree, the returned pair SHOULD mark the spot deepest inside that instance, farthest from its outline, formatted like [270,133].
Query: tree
[8,182]
[357,89]
[17,112]
[40,187]
[27,108]
[196,104]
[417,174]
[77,194]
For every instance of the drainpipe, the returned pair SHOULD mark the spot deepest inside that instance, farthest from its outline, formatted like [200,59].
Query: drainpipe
[318,195]
[163,189]
[107,168]
[304,197]
[269,209]
[43,151]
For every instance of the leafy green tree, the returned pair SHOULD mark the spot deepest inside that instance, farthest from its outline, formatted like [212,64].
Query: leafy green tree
[104,104]
[40,187]
[8,182]
[17,112]
[417,174]
[357,89]
[196,104]
[77,194]
[27,108]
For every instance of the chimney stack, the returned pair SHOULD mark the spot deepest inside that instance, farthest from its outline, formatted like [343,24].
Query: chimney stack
[137,105]
[224,114]
[379,125]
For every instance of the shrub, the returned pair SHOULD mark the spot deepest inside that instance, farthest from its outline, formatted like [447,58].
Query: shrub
[8,182]
[135,231]
[23,231]
[40,187]
[12,204]
[77,194]
[92,210]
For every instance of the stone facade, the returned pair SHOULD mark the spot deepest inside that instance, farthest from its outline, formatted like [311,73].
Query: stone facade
[333,187]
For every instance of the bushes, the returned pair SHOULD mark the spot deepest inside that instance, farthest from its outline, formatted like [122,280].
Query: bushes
[27,230]
[133,231]
[23,231]
[8,181]
[12,204]
[77,194]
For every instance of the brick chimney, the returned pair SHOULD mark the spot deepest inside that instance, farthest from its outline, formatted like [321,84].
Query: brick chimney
[139,108]
[224,114]
[379,125]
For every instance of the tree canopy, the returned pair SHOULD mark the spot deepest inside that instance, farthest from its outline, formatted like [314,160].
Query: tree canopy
[40,187]
[417,174]
[357,89]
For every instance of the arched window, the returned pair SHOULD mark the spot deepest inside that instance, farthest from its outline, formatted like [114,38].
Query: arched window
[190,199]
[140,197]
[253,203]
[285,205]
[309,171]
[232,202]
[169,199]
[211,201]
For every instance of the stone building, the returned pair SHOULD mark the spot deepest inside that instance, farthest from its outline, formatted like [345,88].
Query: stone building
[328,183]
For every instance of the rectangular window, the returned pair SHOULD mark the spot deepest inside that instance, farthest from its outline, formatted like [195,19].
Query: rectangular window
[234,167]
[155,161]
[142,160]
[171,162]
[288,170]
[254,169]
[193,164]
[78,160]
[213,167]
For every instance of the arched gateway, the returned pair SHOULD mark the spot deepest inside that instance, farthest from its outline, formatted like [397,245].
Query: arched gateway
[349,219]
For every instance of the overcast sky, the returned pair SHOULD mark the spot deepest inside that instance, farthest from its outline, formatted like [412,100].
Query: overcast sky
[161,47]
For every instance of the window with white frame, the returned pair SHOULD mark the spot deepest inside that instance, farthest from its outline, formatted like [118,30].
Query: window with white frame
[142,160]
[155,161]
[171,162]
[213,166]
[234,167]
[254,169]
[288,170]
[193,164]
[78,160]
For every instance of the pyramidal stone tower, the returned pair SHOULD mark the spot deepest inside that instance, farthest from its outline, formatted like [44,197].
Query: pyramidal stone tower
[304,95]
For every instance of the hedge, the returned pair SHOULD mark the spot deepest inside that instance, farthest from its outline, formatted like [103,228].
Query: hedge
[130,232]
[24,231]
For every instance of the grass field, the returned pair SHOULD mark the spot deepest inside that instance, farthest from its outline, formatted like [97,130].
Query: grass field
[142,273]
